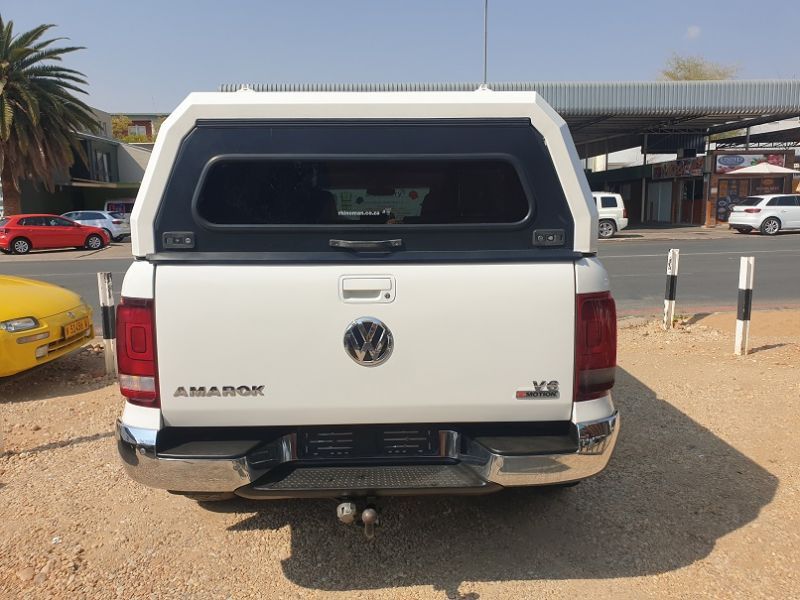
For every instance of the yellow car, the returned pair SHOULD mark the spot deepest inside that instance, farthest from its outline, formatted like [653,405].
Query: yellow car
[38,323]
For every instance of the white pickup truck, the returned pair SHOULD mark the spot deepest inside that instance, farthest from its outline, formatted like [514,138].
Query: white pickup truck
[352,295]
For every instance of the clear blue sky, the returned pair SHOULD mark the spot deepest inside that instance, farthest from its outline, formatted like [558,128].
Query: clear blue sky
[146,56]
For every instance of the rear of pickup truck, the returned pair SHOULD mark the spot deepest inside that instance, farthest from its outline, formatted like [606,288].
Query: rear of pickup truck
[356,295]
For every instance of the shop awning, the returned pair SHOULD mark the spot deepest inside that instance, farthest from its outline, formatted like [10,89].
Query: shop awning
[781,137]
[763,168]
[611,116]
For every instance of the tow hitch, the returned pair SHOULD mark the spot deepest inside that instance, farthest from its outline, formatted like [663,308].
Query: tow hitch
[348,513]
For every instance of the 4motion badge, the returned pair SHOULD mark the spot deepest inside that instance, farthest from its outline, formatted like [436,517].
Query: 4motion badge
[541,389]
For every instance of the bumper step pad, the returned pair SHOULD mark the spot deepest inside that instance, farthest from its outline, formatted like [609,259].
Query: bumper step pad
[377,480]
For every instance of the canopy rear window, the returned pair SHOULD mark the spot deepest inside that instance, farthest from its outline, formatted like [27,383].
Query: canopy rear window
[286,188]
[343,191]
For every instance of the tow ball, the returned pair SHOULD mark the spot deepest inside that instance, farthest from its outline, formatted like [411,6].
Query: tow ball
[348,513]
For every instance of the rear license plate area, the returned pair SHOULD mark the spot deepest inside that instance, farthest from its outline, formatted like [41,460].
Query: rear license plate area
[367,442]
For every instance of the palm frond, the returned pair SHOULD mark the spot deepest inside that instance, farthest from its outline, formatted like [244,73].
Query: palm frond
[40,111]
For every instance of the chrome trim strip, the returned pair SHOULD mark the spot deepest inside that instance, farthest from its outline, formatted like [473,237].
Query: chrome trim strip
[596,441]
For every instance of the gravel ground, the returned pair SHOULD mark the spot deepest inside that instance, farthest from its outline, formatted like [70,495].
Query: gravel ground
[700,500]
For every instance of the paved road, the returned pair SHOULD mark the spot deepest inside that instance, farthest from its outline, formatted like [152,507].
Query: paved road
[708,272]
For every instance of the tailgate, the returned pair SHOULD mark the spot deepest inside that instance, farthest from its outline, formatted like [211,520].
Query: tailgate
[466,339]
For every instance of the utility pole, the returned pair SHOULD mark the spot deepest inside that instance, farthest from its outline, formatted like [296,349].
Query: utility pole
[485,41]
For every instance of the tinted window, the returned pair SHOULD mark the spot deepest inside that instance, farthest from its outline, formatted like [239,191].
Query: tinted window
[753,201]
[117,215]
[94,216]
[513,143]
[3,222]
[608,202]
[57,222]
[32,221]
[347,192]
[785,201]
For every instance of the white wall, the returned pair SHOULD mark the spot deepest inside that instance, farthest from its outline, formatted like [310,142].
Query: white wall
[132,162]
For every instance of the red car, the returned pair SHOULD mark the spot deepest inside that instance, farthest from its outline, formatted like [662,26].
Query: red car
[22,233]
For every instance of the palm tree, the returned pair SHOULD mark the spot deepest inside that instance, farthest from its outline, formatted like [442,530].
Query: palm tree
[39,113]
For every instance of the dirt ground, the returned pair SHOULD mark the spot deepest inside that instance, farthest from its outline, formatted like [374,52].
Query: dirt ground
[700,499]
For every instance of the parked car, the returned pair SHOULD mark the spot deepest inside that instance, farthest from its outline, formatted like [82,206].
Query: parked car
[19,234]
[39,322]
[613,216]
[401,315]
[114,224]
[769,213]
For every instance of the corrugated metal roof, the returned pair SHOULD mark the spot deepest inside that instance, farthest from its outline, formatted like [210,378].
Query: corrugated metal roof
[652,98]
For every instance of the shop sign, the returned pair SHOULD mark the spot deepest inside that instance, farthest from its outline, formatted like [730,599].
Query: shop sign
[685,167]
[726,163]
[766,185]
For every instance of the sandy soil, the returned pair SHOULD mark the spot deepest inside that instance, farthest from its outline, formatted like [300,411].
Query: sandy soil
[700,500]
[763,324]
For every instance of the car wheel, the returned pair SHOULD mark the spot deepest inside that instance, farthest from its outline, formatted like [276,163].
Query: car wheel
[606,229]
[20,246]
[743,229]
[94,242]
[770,226]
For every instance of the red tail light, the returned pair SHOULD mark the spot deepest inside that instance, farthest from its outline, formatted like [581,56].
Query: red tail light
[752,210]
[624,213]
[595,345]
[117,222]
[3,230]
[136,351]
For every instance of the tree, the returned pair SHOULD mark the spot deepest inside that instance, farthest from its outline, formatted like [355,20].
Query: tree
[696,68]
[39,111]
[157,126]
[119,126]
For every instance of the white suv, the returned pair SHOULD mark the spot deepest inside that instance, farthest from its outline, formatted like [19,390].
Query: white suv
[612,212]
[769,213]
[114,224]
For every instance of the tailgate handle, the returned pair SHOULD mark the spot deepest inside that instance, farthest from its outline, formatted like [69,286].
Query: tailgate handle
[367,289]
[367,245]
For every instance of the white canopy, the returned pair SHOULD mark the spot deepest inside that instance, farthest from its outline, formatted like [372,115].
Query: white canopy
[762,168]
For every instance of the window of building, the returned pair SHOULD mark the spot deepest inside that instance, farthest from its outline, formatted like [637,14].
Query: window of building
[137,130]
[102,161]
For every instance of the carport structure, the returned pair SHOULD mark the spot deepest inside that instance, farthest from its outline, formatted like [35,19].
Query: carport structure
[658,116]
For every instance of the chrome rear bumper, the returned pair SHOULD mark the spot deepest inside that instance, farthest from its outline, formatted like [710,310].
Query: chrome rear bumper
[468,467]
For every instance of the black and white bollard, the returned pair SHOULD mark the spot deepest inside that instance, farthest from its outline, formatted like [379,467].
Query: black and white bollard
[106,289]
[672,287]
[746,267]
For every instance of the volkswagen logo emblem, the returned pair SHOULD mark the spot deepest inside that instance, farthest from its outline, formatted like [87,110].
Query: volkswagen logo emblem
[368,342]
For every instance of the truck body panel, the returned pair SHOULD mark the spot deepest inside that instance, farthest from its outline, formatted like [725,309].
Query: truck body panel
[466,339]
